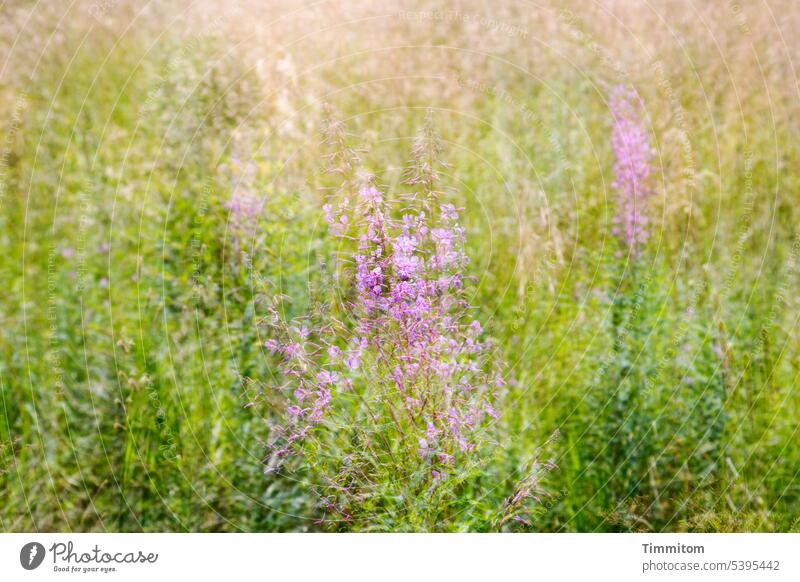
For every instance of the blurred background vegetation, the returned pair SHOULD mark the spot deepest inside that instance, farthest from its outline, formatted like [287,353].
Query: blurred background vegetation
[130,345]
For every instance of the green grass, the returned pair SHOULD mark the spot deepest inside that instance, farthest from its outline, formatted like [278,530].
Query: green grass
[126,367]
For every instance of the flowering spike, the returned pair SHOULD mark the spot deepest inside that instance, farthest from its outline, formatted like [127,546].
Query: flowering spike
[632,167]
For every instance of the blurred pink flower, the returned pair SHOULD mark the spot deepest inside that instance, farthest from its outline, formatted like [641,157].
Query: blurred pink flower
[632,167]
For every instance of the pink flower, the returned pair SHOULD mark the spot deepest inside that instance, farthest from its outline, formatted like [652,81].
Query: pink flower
[326,378]
[424,449]
[245,209]
[449,212]
[475,328]
[371,195]
[632,167]
[293,350]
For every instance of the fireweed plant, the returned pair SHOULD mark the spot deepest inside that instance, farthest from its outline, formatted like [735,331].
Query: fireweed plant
[638,450]
[619,452]
[633,156]
[392,395]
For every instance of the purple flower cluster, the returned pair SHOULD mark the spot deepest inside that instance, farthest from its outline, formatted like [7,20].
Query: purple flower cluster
[245,208]
[632,167]
[410,347]
[245,205]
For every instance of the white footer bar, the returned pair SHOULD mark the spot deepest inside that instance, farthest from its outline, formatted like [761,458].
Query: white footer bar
[407,557]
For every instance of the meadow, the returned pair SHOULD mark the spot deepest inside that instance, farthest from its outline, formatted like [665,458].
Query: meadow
[202,215]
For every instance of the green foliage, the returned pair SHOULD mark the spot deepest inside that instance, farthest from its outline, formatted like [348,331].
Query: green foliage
[135,390]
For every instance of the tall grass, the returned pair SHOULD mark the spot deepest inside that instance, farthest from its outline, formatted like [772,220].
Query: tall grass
[164,172]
